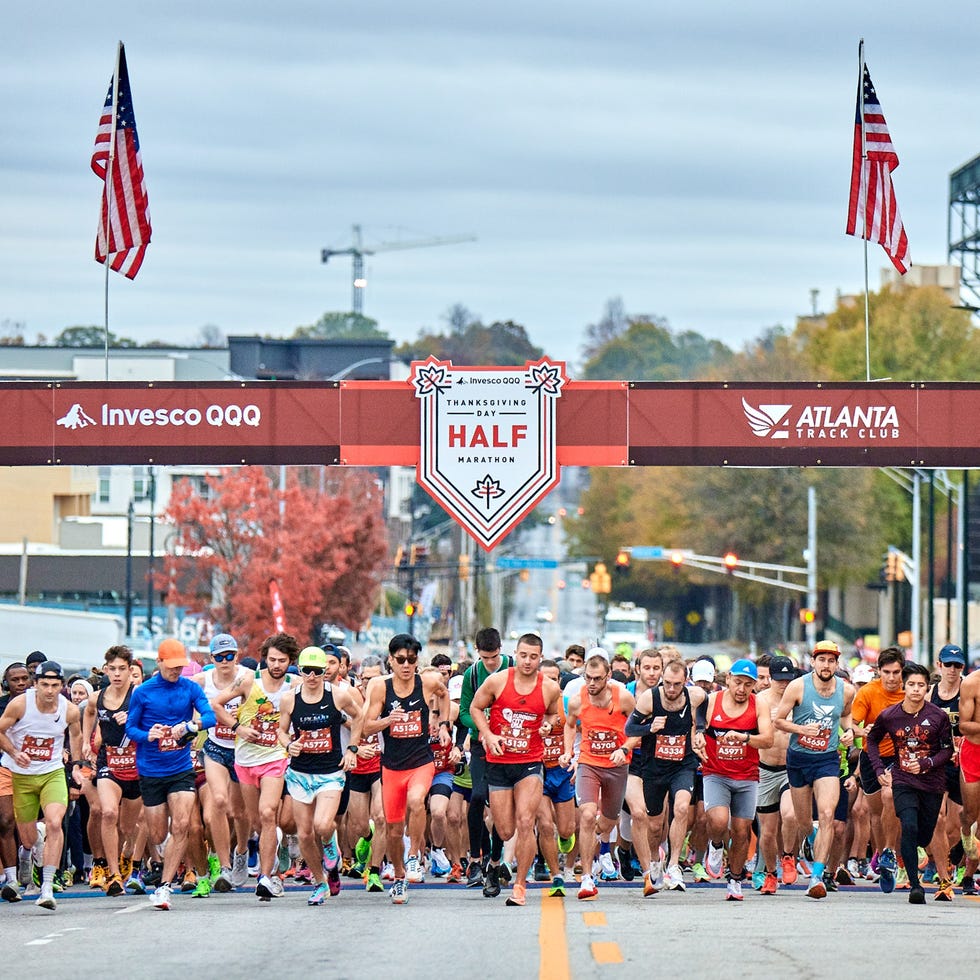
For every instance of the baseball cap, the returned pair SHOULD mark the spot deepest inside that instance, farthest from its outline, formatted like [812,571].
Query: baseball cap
[702,671]
[782,669]
[312,657]
[329,650]
[222,643]
[50,669]
[863,673]
[744,668]
[826,646]
[597,652]
[952,654]
[171,653]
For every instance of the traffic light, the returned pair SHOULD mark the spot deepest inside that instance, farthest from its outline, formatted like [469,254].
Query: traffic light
[399,556]
[893,566]
[600,580]
[464,567]
[807,616]
[409,609]
[676,560]
[622,561]
[731,562]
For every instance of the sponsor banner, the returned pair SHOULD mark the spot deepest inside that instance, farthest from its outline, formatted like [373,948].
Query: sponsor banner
[488,438]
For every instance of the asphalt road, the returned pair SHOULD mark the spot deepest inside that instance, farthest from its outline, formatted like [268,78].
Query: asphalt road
[453,931]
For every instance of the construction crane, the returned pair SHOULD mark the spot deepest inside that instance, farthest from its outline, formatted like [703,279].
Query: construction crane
[357,251]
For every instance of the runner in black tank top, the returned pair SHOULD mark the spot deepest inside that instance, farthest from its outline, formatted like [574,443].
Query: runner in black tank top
[406,742]
[317,728]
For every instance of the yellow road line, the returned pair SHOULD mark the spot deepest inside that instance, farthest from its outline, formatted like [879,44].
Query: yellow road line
[553,940]
[606,953]
[594,918]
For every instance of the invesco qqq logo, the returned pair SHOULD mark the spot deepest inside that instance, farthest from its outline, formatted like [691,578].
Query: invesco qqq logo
[215,416]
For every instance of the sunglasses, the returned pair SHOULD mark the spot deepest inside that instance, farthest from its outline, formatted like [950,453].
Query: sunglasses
[223,657]
[411,658]
[313,671]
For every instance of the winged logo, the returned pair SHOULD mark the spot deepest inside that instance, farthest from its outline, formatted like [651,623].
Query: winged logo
[764,419]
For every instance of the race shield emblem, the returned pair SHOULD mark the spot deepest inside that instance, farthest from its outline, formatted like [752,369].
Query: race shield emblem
[488,440]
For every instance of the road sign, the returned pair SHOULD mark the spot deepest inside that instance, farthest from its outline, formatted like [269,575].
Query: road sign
[512,561]
[646,552]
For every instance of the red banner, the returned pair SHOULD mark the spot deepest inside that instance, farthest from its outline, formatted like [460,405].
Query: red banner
[278,613]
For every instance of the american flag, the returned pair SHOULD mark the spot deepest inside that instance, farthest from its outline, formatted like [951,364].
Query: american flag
[872,200]
[127,207]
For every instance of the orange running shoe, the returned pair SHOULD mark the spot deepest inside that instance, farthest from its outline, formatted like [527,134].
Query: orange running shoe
[789,869]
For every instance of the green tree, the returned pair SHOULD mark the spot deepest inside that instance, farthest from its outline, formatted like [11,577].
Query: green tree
[501,343]
[342,326]
[90,336]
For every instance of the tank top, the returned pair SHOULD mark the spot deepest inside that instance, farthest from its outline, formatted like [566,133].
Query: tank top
[553,744]
[317,726]
[517,719]
[406,744]
[222,734]
[951,706]
[260,712]
[724,759]
[117,753]
[825,711]
[603,729]
[364,767]
[40,735]
[665,751]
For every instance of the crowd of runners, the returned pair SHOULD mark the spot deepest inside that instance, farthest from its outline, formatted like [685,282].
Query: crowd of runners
[573,773]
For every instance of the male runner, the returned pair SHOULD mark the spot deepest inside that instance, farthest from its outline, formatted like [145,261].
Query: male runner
[820,705]
[664,718]
[116,775]
[160,722]
[32,739]
[970,762]
[923,741]
[310,719]
[602,707]
[398,706]
[260,759]
[523,706]
[732,727]
[16,680]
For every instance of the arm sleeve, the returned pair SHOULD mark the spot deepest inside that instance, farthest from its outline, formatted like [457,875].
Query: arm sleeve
[945,744]
[637,725]
[701,715]
[134,720]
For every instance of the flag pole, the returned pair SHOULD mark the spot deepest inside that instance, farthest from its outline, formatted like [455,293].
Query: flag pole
[864,212]
[108,198]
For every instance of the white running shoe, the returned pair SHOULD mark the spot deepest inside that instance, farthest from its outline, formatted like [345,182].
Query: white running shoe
[46,900]
[657,875]
[715,860]
[607,870]
[441,865]
[414,874]
[734,891]
[160,899]
[239,869]
[387,871]
[674,879]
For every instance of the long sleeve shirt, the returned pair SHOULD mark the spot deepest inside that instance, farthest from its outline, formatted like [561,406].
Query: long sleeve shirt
[925,737]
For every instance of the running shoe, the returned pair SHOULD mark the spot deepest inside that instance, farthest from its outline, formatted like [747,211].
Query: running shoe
[807,847]
[853,869]
[504,873]
[387,871]
[373,882]
[414,874]
[61,881]
[734,891]
[304,874]
[587,890]
[929,873]
[557,889]
[700,875]
[189,883]
[716,857]
[518,894]
[817,888]
[673,880]
[160,899]
[491,886]
[649,888]
[455,876]
[758,879]
[770,885]
[917,896]
[440,864]
[333,882]
[399,893]
[902,880]
[968,885]
[362,849]
[153,875]
[97,879]
[319,895]
[239,869]
[135,884]
[540,871]
[843,876]
[565,844]
[268,887]
[945,891]
[474,875]
[803,868]
[114,886]
[970,846]
[626,868]
[46,899]
[10,892]
[203,887]
[607,870]
[657,875]
[214,866]
[253,857]
[25,863]
[222,880]
[923,858]
[125,866]
[331,857]
[887,860]
[887,880]
[829,882]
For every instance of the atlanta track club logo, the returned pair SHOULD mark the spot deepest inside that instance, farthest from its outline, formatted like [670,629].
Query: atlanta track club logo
[768,420]
[487,451]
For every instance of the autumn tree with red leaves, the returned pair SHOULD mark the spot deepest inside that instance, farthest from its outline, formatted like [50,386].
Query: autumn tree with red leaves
[322,540]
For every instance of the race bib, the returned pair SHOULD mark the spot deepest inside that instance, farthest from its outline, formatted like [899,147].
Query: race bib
[224,731]
[727,752]
[410,727]
[602,742]
[121,760]
[167,742]
[317,740]
[670,748]
[816,743]
[38,749]
[554,745]
[266,728]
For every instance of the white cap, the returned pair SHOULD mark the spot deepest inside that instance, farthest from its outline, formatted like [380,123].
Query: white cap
[863,673]
[455,687]
[597,652]
[702,671]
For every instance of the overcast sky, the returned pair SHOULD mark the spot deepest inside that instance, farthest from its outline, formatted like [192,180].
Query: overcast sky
[694,161]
